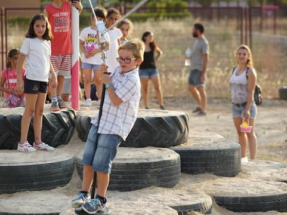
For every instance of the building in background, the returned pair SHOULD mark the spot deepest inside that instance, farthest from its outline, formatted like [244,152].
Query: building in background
[13,4]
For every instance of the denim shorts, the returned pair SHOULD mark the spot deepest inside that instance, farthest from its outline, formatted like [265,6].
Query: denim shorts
[90,66]
[148,73]
[195,78]
[101,156]
[238,111]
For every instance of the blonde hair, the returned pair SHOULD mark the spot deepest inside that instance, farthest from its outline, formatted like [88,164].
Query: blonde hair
[249,62]
[136,46]
[128,22]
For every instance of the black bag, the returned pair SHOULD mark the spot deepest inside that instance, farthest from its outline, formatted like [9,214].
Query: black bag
[257,91]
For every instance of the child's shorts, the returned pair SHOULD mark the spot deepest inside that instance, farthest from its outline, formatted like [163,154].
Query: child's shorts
[62,64]
[148,73]
[90,66]
[102,155]
[34,87]
[238,110]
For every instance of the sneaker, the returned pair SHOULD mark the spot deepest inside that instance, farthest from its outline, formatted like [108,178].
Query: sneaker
[43,146]
[201,113]
[62,104]
[25,147]
[94,206]
[244,160]
[162,107]
[196,110]
[88,102]
[80,199]
[54,106]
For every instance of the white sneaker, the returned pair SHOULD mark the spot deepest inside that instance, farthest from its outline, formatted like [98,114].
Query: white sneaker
[88,102]
[25,147]
[43,146]
[244,160]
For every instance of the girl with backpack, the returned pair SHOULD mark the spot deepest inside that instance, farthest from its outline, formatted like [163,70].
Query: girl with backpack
[242,84]
[9,81]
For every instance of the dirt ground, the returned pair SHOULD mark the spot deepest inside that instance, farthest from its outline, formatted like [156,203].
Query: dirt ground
[270,127]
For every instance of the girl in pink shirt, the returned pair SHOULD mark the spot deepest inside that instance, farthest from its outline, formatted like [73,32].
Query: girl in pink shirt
[9,81]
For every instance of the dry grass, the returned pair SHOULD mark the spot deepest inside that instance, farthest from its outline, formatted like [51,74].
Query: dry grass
[174,36]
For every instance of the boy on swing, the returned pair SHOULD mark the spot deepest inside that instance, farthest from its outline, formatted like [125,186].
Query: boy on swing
[118,117]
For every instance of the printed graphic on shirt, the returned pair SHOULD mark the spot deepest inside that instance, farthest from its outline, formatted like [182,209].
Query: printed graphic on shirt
[61,22]
[91,41]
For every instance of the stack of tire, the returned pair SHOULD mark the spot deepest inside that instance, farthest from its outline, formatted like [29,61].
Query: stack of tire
[137,164]
[41,170]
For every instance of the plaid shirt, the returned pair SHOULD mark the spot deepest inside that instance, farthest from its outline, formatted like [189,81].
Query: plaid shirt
[120,119]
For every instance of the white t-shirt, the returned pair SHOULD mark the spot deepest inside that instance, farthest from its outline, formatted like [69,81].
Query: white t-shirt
[38,52]
[112,53]
[89,36]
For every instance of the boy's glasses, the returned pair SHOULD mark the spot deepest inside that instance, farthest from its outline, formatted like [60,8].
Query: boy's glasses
[125,60]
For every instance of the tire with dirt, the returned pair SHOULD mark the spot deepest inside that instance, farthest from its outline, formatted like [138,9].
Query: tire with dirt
[249,195]
[283,93]
[152,128]
[58,129]
[220,157]
[135,168]
[34,171]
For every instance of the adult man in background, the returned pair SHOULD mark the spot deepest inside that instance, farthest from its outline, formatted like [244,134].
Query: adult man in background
[199,61]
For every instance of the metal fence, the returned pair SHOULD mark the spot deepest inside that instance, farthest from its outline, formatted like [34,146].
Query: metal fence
[247,21]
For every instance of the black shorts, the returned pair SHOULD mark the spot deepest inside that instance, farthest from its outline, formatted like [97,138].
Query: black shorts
[35,87]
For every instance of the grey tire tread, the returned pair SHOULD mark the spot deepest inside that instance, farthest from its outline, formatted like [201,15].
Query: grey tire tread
[283,93]
[163,131]
[57,129]
[254,204]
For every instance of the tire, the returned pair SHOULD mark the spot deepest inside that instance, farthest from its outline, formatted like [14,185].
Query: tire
[135,169]
[34,171]
[222,158]
[58,129]
[152,128]
[262,196]
[181,200]
[283,93]
[129,207]
[265,170]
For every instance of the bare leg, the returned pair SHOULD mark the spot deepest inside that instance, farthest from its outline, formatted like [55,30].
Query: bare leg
[195,94]
[38,117]
[98,84]
[242,136]
[252,140]
[31,100]
[156,83]
[88,176]
[103,183]
[202,93]
[87,74]
[60,85]
[144,82]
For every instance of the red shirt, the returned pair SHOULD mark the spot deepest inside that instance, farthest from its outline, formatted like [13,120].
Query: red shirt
[60,21]
[11,81]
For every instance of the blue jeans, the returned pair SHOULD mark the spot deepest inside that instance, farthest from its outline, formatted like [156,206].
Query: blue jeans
[238,111]
[101,155]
